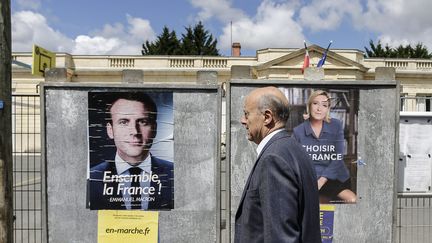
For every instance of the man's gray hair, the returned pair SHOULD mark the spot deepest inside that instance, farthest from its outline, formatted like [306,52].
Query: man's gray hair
[278,106]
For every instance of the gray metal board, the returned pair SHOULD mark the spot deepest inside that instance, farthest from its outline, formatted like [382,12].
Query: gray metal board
[371,218]
[196,163]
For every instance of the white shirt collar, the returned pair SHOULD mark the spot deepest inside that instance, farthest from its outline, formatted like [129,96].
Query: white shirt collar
[122,166]
[265,141]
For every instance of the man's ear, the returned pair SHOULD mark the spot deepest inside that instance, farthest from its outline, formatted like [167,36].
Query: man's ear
[268,116]
[110,130]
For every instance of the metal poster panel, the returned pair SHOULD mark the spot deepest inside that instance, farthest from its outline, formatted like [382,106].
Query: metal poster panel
[415,155]
[131,150]
[324,122]
[367,111]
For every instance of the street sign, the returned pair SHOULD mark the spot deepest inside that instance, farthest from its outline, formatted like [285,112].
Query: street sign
[42,60]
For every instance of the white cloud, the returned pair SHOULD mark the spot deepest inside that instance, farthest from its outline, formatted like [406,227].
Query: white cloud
[30,28]
[220,9]
[140,29]
[109,30]
[272,26]
[394,22]
[328,14]
[116,39]
[400,21]
[95,45]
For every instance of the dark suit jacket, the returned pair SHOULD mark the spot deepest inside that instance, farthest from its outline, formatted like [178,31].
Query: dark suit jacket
[280,199]
[164,200]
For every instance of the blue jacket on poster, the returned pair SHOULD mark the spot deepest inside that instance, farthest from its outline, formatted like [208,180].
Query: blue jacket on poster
[327,150]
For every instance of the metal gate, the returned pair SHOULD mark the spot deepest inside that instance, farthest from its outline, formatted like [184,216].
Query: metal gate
[414,219]
[27,186]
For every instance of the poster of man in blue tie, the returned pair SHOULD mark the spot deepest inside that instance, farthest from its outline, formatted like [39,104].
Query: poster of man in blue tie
[130,150]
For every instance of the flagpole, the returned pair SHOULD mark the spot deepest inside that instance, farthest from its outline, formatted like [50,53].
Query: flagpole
[324,56]
[231,40]
[328,47]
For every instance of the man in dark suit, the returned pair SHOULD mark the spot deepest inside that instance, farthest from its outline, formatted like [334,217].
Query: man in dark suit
[135,179]
[280,199]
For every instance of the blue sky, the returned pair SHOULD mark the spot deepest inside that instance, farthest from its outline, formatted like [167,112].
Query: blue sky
[104,27]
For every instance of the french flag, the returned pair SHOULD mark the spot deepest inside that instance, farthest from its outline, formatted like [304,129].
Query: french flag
[306,59]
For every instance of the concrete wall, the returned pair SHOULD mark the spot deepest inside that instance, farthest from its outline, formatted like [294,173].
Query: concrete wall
[196,163]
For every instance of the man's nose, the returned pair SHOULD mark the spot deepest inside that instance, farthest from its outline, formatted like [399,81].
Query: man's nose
[135,129]
[243,120]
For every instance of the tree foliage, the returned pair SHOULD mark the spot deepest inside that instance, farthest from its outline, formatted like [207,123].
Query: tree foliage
[165,44]
[198,41]
[195,41]
[401,51]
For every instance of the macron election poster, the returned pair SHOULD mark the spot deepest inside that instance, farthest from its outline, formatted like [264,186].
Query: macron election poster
[131,150]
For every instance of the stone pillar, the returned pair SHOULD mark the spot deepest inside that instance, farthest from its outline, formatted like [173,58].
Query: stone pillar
[58,75]
[207,77]
[241,72]
[385,73]
[132,76]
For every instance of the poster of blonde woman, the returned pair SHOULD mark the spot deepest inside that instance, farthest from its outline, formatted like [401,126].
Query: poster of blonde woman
[324,122]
